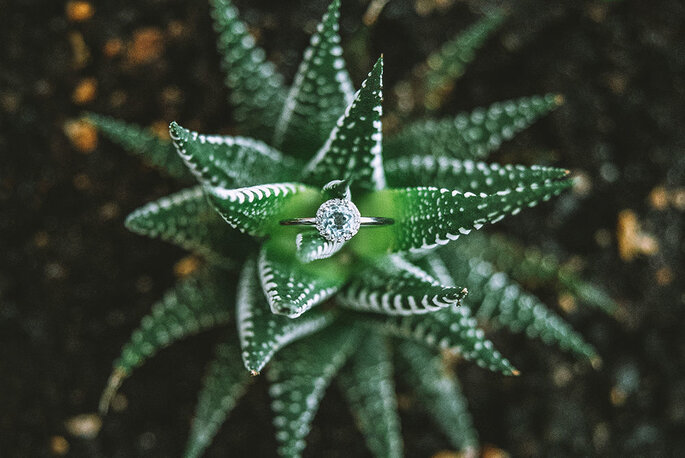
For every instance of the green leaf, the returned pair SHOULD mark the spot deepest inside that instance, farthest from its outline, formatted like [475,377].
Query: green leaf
[261,332]
[153,150]
[529,265]
[321,91]
[223,385]
[299,375]
[445,66]
[291,287]
[193,305]
[451,329]
[257,210]
[471,135]
[353,150]
[369,389]
[396,287]
[465,175]
[227,162]
[189,221]
[498,300]
[312,246]
[426,217]
[257,91]
[440,393]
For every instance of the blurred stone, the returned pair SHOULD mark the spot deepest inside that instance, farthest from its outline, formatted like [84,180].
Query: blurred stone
[146,46]
[79,11]
[113,47]
[187,266]
[82,135]
[85,91]
[59,446]
[79,50]
[85,426]
[632,242]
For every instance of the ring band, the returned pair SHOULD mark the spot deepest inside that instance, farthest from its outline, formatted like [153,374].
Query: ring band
[363,221]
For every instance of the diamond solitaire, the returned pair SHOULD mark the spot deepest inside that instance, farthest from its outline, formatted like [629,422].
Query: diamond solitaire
[338,220]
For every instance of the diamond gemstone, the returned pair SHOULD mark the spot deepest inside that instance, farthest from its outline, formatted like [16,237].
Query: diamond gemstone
[337,220]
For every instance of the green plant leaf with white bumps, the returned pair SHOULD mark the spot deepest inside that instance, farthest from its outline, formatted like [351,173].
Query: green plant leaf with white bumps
[256,88]
[152,149]
[471,135]
[367,382]
[262,333]
[291,287]
[304,303]
[223,385]
[299,376]
[439,391]
[353,149]
[320,93]
[195,304]
[396,287]
[189,221]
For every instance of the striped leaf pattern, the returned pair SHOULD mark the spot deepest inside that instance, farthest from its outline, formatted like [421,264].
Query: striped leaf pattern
[354,148]
[367,383]
[530,266]
[291,287]
[396,287]
[257,91]
[498,300]
[226,162]
[152,150]
[451,329]
[471,135]
[263,333]
[446,65]
[299,376]
[189,221]
[321,91]
[426,217]
[440,394]
[312,246]
[465,175]
[256,210]
[195,304]
[223,385]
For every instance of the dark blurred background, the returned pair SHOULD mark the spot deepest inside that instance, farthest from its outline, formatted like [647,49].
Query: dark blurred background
[74,283]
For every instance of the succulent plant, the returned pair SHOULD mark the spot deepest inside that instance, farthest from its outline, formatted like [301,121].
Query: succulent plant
[307,307]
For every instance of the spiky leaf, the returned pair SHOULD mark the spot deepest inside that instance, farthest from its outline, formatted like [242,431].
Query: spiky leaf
[465,175]
[312,246]
[397,287]
[353,149]
[257,91]
[193,305]
[224,383]
[321,91]
[528,265]
[426,216]
[187,220]
[227,162]
[151,148]
[471,135]
[263,333]
[299,375]
[497,299]
[292,287]
[449,329]
[257,210]
[368,386]
[439,392]
[445,66]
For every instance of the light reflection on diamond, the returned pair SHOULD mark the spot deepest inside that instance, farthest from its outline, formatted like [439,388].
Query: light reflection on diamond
[337,220]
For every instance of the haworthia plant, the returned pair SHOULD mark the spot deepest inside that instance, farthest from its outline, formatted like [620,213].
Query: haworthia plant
[307,309]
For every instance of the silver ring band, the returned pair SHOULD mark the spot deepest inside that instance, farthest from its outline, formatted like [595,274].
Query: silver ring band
[363,221]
